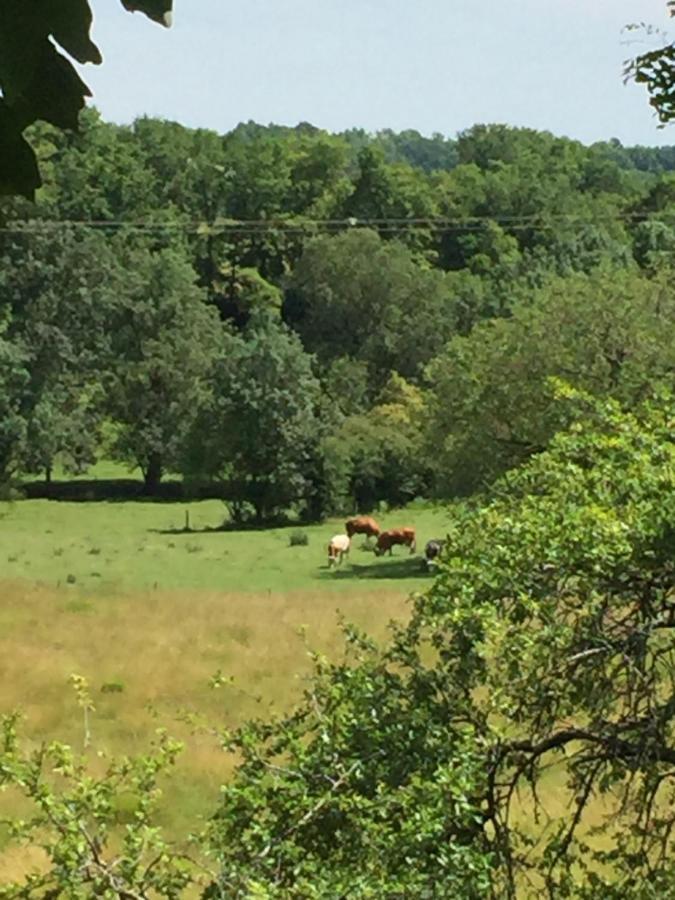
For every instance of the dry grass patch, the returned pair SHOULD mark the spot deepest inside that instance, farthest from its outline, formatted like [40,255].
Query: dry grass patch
[149,658]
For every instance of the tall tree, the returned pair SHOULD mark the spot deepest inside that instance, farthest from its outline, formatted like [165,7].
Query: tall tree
[359,296]
[58,287]
[259,435]
[490,409]
[164,343]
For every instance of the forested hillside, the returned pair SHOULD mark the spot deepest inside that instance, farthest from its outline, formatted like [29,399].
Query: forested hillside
[313,322]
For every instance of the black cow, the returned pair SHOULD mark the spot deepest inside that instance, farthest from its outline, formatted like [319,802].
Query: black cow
[432,551]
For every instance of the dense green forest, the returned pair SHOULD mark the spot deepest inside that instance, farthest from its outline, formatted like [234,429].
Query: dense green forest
[309,322]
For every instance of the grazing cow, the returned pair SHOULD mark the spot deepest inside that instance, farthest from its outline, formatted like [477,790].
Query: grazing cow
[432,552]
[362,525]
[337,548]
[388,539]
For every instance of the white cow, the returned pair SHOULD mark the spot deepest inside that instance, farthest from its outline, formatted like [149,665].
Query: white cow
[337,548]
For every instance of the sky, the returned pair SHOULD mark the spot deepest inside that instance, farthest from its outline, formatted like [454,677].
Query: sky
[432,65]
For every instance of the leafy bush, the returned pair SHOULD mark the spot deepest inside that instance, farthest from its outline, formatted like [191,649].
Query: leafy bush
[299,539]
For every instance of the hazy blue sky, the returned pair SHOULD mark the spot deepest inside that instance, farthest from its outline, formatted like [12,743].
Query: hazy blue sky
[433,65]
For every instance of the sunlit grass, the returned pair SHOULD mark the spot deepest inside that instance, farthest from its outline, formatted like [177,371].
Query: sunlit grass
[110,547]
[159,650]
[118,593]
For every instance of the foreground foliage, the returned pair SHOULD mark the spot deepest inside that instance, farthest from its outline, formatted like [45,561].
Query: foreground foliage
[38,82]
[656,70]
[545,640]
[75,820]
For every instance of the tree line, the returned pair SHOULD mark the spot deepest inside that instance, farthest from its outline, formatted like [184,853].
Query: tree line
[317,323]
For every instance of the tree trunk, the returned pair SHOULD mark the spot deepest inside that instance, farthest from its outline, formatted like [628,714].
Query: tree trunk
[153,474]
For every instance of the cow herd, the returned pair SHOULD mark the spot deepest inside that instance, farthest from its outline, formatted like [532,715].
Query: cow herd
[385,541]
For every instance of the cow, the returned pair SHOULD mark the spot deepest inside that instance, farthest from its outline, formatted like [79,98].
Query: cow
[338,547]
[362,525]
[388,539]
[432,552]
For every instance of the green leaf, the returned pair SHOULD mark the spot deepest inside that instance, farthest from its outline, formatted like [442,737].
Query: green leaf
[157,10]
[56,93]
[70,24]
[37,82]
[18,168]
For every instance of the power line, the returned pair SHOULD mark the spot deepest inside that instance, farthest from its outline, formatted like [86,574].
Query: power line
[439,224]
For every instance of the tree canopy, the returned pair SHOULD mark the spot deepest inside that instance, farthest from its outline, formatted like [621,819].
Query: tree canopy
[656,70]
[528,255]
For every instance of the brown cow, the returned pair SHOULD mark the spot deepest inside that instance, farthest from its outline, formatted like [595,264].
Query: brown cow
[362,525]
[388,539]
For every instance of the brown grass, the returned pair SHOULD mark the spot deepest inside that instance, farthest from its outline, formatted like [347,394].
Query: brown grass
[163,648]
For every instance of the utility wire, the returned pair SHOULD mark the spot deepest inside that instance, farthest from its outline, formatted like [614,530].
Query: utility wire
[442,224]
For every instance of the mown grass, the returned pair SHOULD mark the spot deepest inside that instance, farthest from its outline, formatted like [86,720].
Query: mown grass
[113,547]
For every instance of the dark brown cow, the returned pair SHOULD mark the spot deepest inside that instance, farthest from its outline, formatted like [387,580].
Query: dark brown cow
[362,525]
[432,551]
[388,539]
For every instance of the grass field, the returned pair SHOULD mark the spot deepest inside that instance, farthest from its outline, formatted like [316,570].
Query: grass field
[113,547]
[119,593]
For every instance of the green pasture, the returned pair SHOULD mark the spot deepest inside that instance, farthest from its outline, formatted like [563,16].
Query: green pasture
[148,612]
[120,546]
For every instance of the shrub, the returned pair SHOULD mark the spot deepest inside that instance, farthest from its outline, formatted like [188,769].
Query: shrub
[299,539]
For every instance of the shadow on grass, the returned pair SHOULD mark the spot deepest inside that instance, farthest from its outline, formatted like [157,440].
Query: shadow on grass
[223,528]
[113,490]
[410,567]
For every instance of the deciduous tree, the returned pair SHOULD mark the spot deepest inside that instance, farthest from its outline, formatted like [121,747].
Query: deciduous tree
[359,296]
[259,435]
[164,344]
[490,409]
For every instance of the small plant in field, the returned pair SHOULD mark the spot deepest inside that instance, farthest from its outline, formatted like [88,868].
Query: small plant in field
[193,548]
[94,551]
[12,558]
[71,579]
[112,687]
[92,847]
[81,687]
[58,551]
[299,539]
[78,606]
